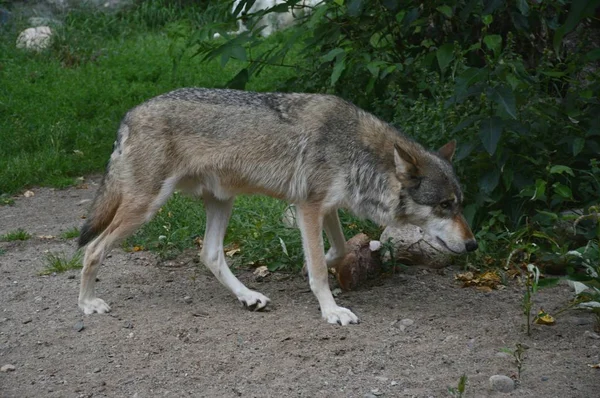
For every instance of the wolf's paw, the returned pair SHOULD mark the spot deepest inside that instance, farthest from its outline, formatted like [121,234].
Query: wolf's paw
[254,301]
[94,305]
[340,315]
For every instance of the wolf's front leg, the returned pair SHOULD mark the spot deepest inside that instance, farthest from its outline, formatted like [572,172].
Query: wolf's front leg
[217,218]
[310,220]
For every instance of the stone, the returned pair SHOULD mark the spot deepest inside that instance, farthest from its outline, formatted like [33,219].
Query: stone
[413,247]
[502,383]
[7,368]
[35,39]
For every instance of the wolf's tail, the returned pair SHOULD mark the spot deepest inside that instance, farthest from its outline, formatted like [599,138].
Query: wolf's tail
[106,203]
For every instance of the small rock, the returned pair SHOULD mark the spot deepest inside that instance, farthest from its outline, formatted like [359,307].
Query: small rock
[370,395]
[582,321]
[394,383]
[28,194]
[545,378]
[376,392]
[502,383]
[128,325]
[381,378]
[187,299]
[7,368]
[97,370]
[26,321]
[79,326]
[407,322]
[591,335]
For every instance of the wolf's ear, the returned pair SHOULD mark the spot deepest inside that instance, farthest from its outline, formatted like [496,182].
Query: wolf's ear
[406,162]
[447,151]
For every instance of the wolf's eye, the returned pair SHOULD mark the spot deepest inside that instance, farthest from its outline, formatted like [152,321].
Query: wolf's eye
[446,204]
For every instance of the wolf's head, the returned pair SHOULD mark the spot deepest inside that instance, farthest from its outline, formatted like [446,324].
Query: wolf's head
[431,197]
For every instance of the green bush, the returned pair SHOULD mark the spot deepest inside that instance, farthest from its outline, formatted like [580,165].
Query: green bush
[514,82]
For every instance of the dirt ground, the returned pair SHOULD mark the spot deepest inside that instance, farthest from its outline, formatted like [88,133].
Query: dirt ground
[174,331]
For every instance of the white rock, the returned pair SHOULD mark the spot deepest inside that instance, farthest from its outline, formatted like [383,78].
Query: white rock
[502,383]
[35,38]
[413,247]
[7,368]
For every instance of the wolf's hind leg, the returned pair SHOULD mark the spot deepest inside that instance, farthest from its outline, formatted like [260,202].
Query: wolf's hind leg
[310,220]
[129,217]
[217,218]
[333,229]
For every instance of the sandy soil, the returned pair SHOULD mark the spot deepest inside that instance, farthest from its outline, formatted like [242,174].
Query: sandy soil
[174,331]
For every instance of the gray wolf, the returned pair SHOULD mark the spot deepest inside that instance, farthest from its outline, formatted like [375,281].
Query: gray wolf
[317,152]
[272,21]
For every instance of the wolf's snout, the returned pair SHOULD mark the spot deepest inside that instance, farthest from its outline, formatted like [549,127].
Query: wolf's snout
[471,245]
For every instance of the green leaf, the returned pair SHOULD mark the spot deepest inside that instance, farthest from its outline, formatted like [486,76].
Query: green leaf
[578,144]
[593,55]
[339,67]
[505,97]
[562,190]
[550,215]
[489,181]
[239,81]
[487,19]
[523,7]
[445,54]
[470,77]
[540,190]
[494,43]
[490,132]
[559,169]
[548,282]
[446,10]
[332,54]
[354,7]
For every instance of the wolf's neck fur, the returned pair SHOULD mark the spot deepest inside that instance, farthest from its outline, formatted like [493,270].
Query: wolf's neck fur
[371,183]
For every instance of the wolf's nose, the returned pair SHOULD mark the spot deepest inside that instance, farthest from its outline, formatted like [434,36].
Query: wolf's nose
[471,245]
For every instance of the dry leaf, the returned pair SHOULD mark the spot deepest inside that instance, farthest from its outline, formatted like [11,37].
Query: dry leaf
[261,271]
[485,282]
[594,365]
[28,194]
[199,241]
[232,252]
[544,318]
[82,186]
[138,248]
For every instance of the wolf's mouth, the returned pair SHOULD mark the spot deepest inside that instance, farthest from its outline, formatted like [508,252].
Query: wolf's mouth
[446,245]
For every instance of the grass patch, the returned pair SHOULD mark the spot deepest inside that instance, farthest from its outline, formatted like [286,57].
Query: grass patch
[19,234]
[61,262]
[2,251]
[256,228]
[60,108]
[6,200]
[70,233]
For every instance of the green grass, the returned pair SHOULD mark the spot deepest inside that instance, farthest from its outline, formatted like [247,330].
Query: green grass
[70,233]
[60,109]
[19,234]
[6,200]
[255,227]
[60,262]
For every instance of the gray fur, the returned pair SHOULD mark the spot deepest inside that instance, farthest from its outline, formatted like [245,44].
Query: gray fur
[316,151]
